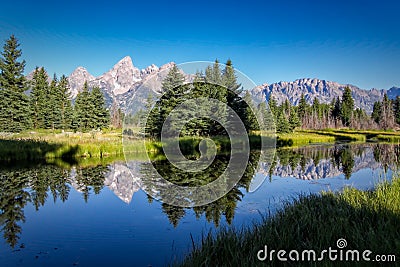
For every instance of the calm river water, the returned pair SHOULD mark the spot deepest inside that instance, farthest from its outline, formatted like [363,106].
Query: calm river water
[99,216]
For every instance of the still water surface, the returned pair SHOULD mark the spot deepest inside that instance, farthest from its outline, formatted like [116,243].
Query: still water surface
[99,216]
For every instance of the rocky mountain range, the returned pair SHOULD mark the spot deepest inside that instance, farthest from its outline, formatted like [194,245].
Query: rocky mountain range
[324,90]
[121,83]
[325,168]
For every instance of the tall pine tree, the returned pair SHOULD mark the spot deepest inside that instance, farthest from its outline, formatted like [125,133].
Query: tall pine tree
[83,108]
[302,108]
[174,89]
[38,101]
[347,107]
[14,103]
[64,103]
[100,114]
[51,108]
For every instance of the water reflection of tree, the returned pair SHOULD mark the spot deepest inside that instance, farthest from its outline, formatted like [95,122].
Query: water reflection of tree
[13,199]
[88,179]
[35,184]
[45,179]
[388,155]
[342,156]
[213,212]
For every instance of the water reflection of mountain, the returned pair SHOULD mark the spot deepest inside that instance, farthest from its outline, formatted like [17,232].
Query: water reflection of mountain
[118,177]
[122,181]
[37,184]
[316,162]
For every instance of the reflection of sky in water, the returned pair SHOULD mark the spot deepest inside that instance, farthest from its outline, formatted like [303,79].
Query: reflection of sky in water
[105,231]
[273,192]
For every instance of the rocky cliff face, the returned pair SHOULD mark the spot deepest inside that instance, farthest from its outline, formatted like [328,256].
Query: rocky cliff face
[120,84]
[121,182]
[325,91]
[77,79]
[119,79]
[324,168]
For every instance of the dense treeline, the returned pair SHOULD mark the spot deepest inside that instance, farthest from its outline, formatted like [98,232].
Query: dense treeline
[341,112]
[215,84]
[386,113]
[40,104]
[36,185]
[43,104]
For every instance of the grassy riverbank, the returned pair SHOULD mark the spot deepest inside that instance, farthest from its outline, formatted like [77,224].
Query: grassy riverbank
[46,144]
[365,219]
[50,145]
[304,137]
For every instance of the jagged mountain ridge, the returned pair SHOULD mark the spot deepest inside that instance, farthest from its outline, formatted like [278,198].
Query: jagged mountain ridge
[324,167]
[324,90]
[121,82]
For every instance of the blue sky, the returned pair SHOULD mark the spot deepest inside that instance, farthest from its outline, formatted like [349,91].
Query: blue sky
[355,42]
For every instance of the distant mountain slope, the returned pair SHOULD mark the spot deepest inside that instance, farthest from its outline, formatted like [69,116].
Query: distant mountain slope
[76,80]
[325,91]
[121,82]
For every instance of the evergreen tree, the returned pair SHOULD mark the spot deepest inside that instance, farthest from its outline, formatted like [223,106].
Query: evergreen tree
[387,114]
[347,107]
[273,106]
[316,108]
[267,117]
[282,123]
[215,83]
[50,108]
[174,91]
[14,104]
[216,73]
[376,112]
[336,108]
[396,107]
[286,108]
[250,119]
[100,115]
[294,120]
[38,101]
[64,103]
[83,109]
[173,81]
[302,108]
[229,79]
[11,75]
[153,114]
[242,106]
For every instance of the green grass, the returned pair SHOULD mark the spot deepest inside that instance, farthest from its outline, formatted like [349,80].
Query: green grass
[339,135]
[48,144]
[45,144]
[304,137]
[299,138]
[388,138]
[366,219]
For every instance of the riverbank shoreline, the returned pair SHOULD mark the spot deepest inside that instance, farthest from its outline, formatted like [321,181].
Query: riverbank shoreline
[49,145]
[365,220]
